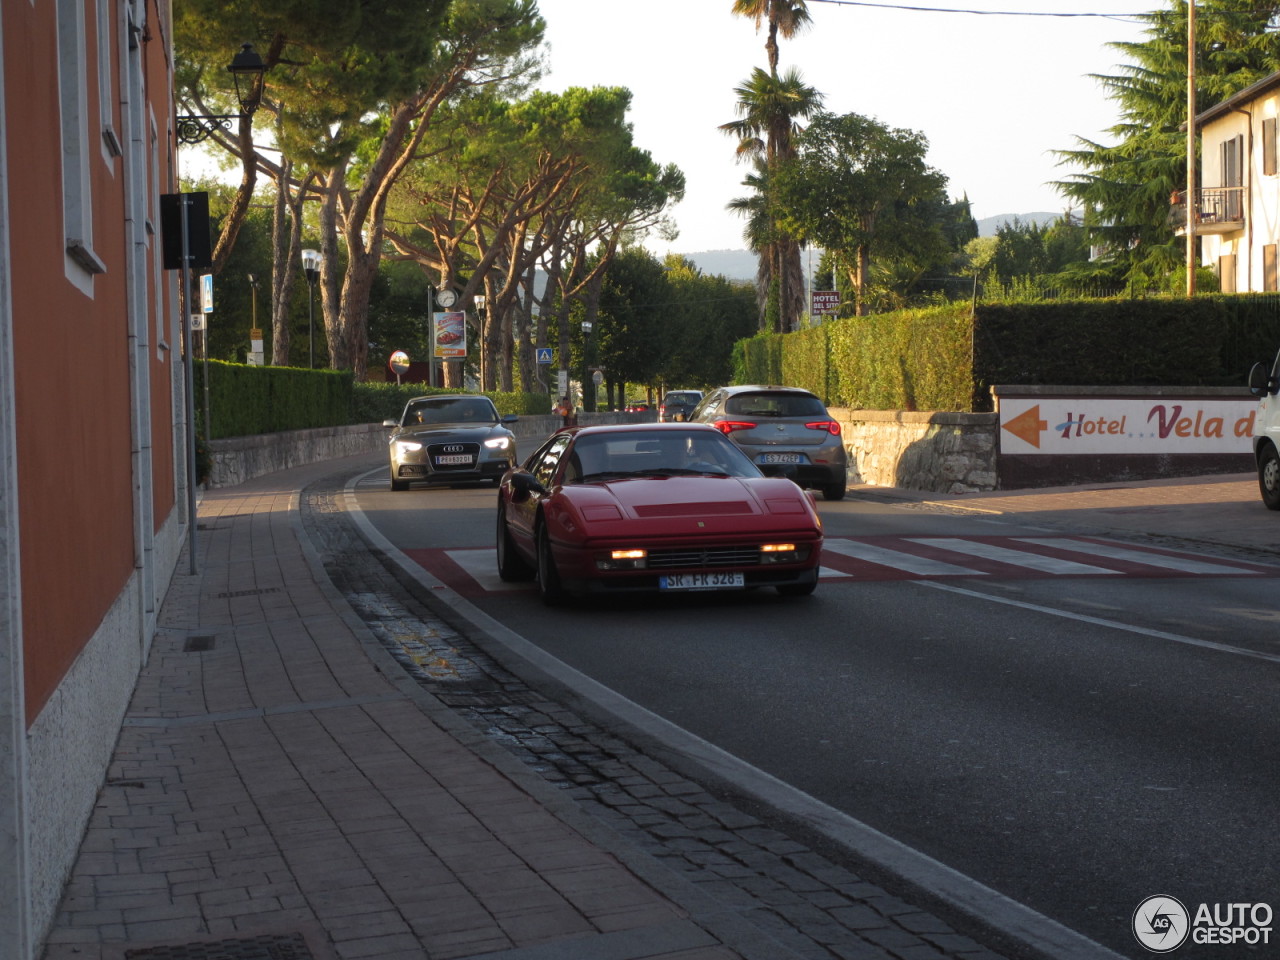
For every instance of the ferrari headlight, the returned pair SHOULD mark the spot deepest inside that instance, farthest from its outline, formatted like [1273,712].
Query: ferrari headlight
[498,443]
[623,560]
[408,446]
[782,552]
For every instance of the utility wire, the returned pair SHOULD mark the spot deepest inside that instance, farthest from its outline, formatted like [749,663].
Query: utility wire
[1125,17]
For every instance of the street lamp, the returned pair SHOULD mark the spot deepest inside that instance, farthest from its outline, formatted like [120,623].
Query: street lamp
[586,369]
[311,260]
[246,65]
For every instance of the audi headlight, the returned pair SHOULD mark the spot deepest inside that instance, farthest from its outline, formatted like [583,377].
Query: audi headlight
[408,446]
[498,443]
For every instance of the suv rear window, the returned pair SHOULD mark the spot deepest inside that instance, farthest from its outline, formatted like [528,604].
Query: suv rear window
[677,397]
[775,405]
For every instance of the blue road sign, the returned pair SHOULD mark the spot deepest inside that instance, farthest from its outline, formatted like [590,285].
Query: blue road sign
[544,354]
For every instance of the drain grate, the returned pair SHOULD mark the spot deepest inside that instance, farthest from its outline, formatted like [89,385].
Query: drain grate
[247,593]
[287,946]
[199,643]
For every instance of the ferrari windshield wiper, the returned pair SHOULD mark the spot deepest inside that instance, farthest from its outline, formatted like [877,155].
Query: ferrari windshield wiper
[607,475]
[708,470]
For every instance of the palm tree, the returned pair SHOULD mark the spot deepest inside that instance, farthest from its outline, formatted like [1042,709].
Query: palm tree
[786,17]
[769,110]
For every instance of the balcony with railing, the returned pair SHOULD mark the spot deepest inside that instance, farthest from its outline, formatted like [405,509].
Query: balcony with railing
[1217,210]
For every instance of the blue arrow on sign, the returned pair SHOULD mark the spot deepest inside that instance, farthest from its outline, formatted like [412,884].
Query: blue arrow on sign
[544,354]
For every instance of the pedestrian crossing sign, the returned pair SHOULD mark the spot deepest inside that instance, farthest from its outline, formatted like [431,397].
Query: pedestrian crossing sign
[544,354]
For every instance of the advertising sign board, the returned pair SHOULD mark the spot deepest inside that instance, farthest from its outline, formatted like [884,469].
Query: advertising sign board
[449,335]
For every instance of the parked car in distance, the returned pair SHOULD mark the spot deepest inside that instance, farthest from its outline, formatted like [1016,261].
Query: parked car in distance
[670,508]
[1264,383]
[450,438]
[785,431]
[677,405]
[635,406]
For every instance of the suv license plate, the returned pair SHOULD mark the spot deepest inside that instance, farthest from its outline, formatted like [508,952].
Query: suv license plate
[701,581]
[780,458]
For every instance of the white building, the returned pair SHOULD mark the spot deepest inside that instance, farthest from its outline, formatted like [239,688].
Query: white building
[1238,203]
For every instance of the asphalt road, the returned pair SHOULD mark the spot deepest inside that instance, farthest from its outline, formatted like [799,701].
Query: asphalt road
[1078,741]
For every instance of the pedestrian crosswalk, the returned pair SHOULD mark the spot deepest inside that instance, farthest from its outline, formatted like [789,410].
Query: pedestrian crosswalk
[885,558]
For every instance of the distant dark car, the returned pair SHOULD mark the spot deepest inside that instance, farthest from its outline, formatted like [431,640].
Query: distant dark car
[677,405]
[450,438]
[663,507]
[784,430]
[636,406]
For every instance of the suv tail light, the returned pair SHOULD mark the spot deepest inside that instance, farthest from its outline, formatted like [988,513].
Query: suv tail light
[728,426]
[831,426]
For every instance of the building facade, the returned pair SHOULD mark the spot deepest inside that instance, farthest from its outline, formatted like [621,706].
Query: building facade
[93,434]
[1238,205]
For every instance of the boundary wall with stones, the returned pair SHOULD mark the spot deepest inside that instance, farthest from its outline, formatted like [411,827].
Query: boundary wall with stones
[917,450]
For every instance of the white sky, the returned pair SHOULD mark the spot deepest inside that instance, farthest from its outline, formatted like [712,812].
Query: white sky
[993,94]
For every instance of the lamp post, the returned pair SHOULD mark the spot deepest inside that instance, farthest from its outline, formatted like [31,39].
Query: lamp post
[311,261]
[480,300]
[588,393]
[246,65]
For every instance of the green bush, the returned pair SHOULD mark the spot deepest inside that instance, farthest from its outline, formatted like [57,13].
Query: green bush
[245,400]
[948,357]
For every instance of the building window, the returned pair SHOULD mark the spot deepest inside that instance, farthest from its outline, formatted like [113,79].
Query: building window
[107,33]
[73,99]
[1269,267]
[1227,272]
[1269,146]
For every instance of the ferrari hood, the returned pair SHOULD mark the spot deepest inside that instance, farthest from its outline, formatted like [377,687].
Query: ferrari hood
[701,497]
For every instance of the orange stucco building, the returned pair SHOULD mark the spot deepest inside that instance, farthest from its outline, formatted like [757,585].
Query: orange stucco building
[93,436]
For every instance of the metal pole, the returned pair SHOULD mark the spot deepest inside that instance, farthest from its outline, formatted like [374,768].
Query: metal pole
[189,397]
[1193,204]
[311,325]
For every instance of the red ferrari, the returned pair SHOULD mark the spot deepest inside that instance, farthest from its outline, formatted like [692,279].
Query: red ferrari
[669,507]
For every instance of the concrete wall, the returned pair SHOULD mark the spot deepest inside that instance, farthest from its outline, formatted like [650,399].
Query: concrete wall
[935,451]
[238,459]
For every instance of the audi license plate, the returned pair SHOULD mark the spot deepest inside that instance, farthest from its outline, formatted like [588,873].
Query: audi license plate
[701,581]
[453,458]
[780,458]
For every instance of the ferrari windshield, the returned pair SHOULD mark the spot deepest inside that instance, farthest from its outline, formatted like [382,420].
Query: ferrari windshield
[451,410]
[655,453]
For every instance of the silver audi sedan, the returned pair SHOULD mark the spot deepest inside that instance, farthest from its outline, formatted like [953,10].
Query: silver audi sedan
[450,438]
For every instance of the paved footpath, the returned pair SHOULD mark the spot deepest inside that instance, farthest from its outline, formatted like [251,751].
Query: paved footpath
[281,790]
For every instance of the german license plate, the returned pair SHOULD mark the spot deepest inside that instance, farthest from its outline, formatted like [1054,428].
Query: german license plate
[453,458]
[701,581]
[780,458]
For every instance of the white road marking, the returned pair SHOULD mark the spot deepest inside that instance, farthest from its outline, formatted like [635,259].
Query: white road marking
[1183,564]
[897,559]
[1017,558]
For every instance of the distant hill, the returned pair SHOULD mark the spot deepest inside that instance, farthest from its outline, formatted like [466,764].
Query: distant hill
[730,264]
[741,264]
[988,226]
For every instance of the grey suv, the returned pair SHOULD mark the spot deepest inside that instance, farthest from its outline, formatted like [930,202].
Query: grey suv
[785,431]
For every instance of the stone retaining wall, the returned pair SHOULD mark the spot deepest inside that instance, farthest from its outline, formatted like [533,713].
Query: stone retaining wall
[934,451]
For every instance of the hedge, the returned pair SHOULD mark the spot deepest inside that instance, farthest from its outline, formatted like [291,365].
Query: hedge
[947,358]
[246,400]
